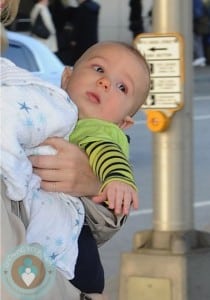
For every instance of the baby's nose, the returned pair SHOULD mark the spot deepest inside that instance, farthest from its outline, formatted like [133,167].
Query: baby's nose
[103,82]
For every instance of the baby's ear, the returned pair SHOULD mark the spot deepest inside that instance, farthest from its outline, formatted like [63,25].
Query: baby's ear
[65,77]
[127,123]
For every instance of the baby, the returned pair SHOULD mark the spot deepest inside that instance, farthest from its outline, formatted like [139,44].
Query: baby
[107,86]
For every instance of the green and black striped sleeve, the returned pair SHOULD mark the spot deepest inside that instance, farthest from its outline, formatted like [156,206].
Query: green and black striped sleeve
[109,162]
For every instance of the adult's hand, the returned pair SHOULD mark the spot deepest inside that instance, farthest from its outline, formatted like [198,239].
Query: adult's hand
[67,171]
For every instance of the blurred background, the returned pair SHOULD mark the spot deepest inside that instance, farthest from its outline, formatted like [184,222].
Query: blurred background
[113,20]
[113,17]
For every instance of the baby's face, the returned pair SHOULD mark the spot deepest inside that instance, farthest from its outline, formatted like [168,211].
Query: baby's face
[107,83]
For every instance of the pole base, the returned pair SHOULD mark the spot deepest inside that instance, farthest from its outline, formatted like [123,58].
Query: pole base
[166,266]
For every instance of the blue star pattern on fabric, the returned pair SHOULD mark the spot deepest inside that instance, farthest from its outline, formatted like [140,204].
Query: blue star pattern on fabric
[59,241]
[34,111]
[35,194]
[53,256]
[77,222]
[29,123]
[42,118]
[24,107]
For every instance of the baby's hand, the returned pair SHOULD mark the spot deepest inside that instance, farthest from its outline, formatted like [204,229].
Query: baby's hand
[121,196]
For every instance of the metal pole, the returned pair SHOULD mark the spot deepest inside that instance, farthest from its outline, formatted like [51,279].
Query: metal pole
[173,149]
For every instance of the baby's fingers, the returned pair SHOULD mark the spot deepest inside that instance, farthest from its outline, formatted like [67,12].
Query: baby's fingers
[130,199]
[126,203]
[135,200]
[99,198]
[115,200]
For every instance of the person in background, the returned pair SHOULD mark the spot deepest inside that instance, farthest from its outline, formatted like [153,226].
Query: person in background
[64,30]
[41,7]
[198,43]
[135,18]
[57,10]
[63,16]
[85,23]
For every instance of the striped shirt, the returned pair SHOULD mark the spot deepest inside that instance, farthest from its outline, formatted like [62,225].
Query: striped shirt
[107,148]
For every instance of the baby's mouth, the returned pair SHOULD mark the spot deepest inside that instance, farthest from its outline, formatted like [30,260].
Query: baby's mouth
[93,97]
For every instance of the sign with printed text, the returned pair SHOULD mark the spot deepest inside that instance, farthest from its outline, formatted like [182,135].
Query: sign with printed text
[164,54]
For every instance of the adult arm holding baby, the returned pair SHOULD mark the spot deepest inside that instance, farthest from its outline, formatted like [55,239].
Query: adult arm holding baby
[68,171]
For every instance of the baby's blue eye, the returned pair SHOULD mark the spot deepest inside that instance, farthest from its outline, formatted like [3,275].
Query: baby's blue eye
[122,87]
[98,69]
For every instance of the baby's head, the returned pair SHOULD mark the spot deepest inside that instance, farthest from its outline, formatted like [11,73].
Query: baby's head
[110,82]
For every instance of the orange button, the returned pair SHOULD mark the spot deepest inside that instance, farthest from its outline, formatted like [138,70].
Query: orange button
[157,121]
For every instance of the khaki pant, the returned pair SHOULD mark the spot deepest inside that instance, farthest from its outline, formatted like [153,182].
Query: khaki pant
[12,235]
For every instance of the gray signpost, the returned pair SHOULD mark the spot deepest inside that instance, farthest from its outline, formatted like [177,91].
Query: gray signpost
[171,261]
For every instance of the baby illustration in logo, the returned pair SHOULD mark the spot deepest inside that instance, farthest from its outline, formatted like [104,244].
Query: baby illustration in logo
[28,271]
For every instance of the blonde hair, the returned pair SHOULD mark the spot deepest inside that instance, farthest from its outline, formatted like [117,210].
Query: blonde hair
[8,14]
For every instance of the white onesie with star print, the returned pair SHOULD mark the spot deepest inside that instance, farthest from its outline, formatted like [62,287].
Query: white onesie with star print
[31,111]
